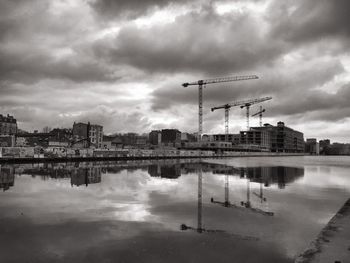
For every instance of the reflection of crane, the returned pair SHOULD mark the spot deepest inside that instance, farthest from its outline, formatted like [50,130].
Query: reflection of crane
[260,113]
[227,202]
[199,227]
[248,204]
[201,84]
[227,108]
[255,101]
[261,194]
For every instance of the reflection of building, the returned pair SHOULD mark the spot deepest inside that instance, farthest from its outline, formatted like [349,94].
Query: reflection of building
[279,175]
[165,171]
[7,178]
[86,176]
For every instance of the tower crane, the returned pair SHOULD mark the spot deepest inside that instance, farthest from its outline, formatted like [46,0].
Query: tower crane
[260,113]
[255,101]
[201,84]
[242,103]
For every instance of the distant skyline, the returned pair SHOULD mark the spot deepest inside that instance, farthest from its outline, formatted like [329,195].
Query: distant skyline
[121,63]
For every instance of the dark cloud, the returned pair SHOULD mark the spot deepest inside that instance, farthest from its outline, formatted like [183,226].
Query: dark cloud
[316,105]
[196,42]
[312,20]
[91,55]
[278,84]
[30,66]
[36,45]
[130,9]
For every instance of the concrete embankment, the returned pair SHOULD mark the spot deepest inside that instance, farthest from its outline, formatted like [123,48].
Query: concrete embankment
[332,245]
[126,158]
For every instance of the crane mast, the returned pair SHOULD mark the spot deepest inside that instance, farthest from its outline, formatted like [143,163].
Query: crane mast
[201,84]
[255,101]
[260,113]
[242,104]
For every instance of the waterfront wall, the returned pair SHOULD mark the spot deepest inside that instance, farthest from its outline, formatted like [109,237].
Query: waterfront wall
[31,154]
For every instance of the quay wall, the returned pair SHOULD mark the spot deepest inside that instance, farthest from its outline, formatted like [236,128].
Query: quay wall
[30,154]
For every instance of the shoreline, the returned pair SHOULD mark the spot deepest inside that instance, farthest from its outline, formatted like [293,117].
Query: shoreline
[19,160]
[333,242]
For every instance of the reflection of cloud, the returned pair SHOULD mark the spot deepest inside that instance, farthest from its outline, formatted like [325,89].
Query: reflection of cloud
[128,204]
[336,179]
[132,212]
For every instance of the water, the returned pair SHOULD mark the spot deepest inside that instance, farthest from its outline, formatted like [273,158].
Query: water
[221,210]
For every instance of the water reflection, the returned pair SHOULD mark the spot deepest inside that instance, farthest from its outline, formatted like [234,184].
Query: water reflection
[243,173]
[131,207]
[279,175]
[7,178]
[86,173]
[200,228]
[85,176]
[165,171]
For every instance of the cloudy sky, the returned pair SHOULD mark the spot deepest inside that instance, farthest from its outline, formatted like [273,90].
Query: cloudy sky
[121,63]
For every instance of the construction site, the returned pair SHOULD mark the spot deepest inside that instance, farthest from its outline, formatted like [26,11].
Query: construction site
[263,138]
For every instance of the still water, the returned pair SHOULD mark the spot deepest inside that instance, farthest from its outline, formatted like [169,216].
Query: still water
[212,210]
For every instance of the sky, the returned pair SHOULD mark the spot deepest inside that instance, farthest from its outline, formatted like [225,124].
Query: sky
[121,63]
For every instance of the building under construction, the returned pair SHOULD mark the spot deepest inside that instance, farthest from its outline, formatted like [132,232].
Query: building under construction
[270,138]
[278,138]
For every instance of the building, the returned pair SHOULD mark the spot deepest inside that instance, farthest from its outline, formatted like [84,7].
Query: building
[96,135]
[60,137]
[92,134]
[7,141]
[188,137]
[233,138]
[8,125]
[283,138]
[112,142]
[339,149]
[155,137]
[141,141]
[81,130]
[33,139]
[325,146]
[171,136]
[253,137]
[312,146]
[129,139]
